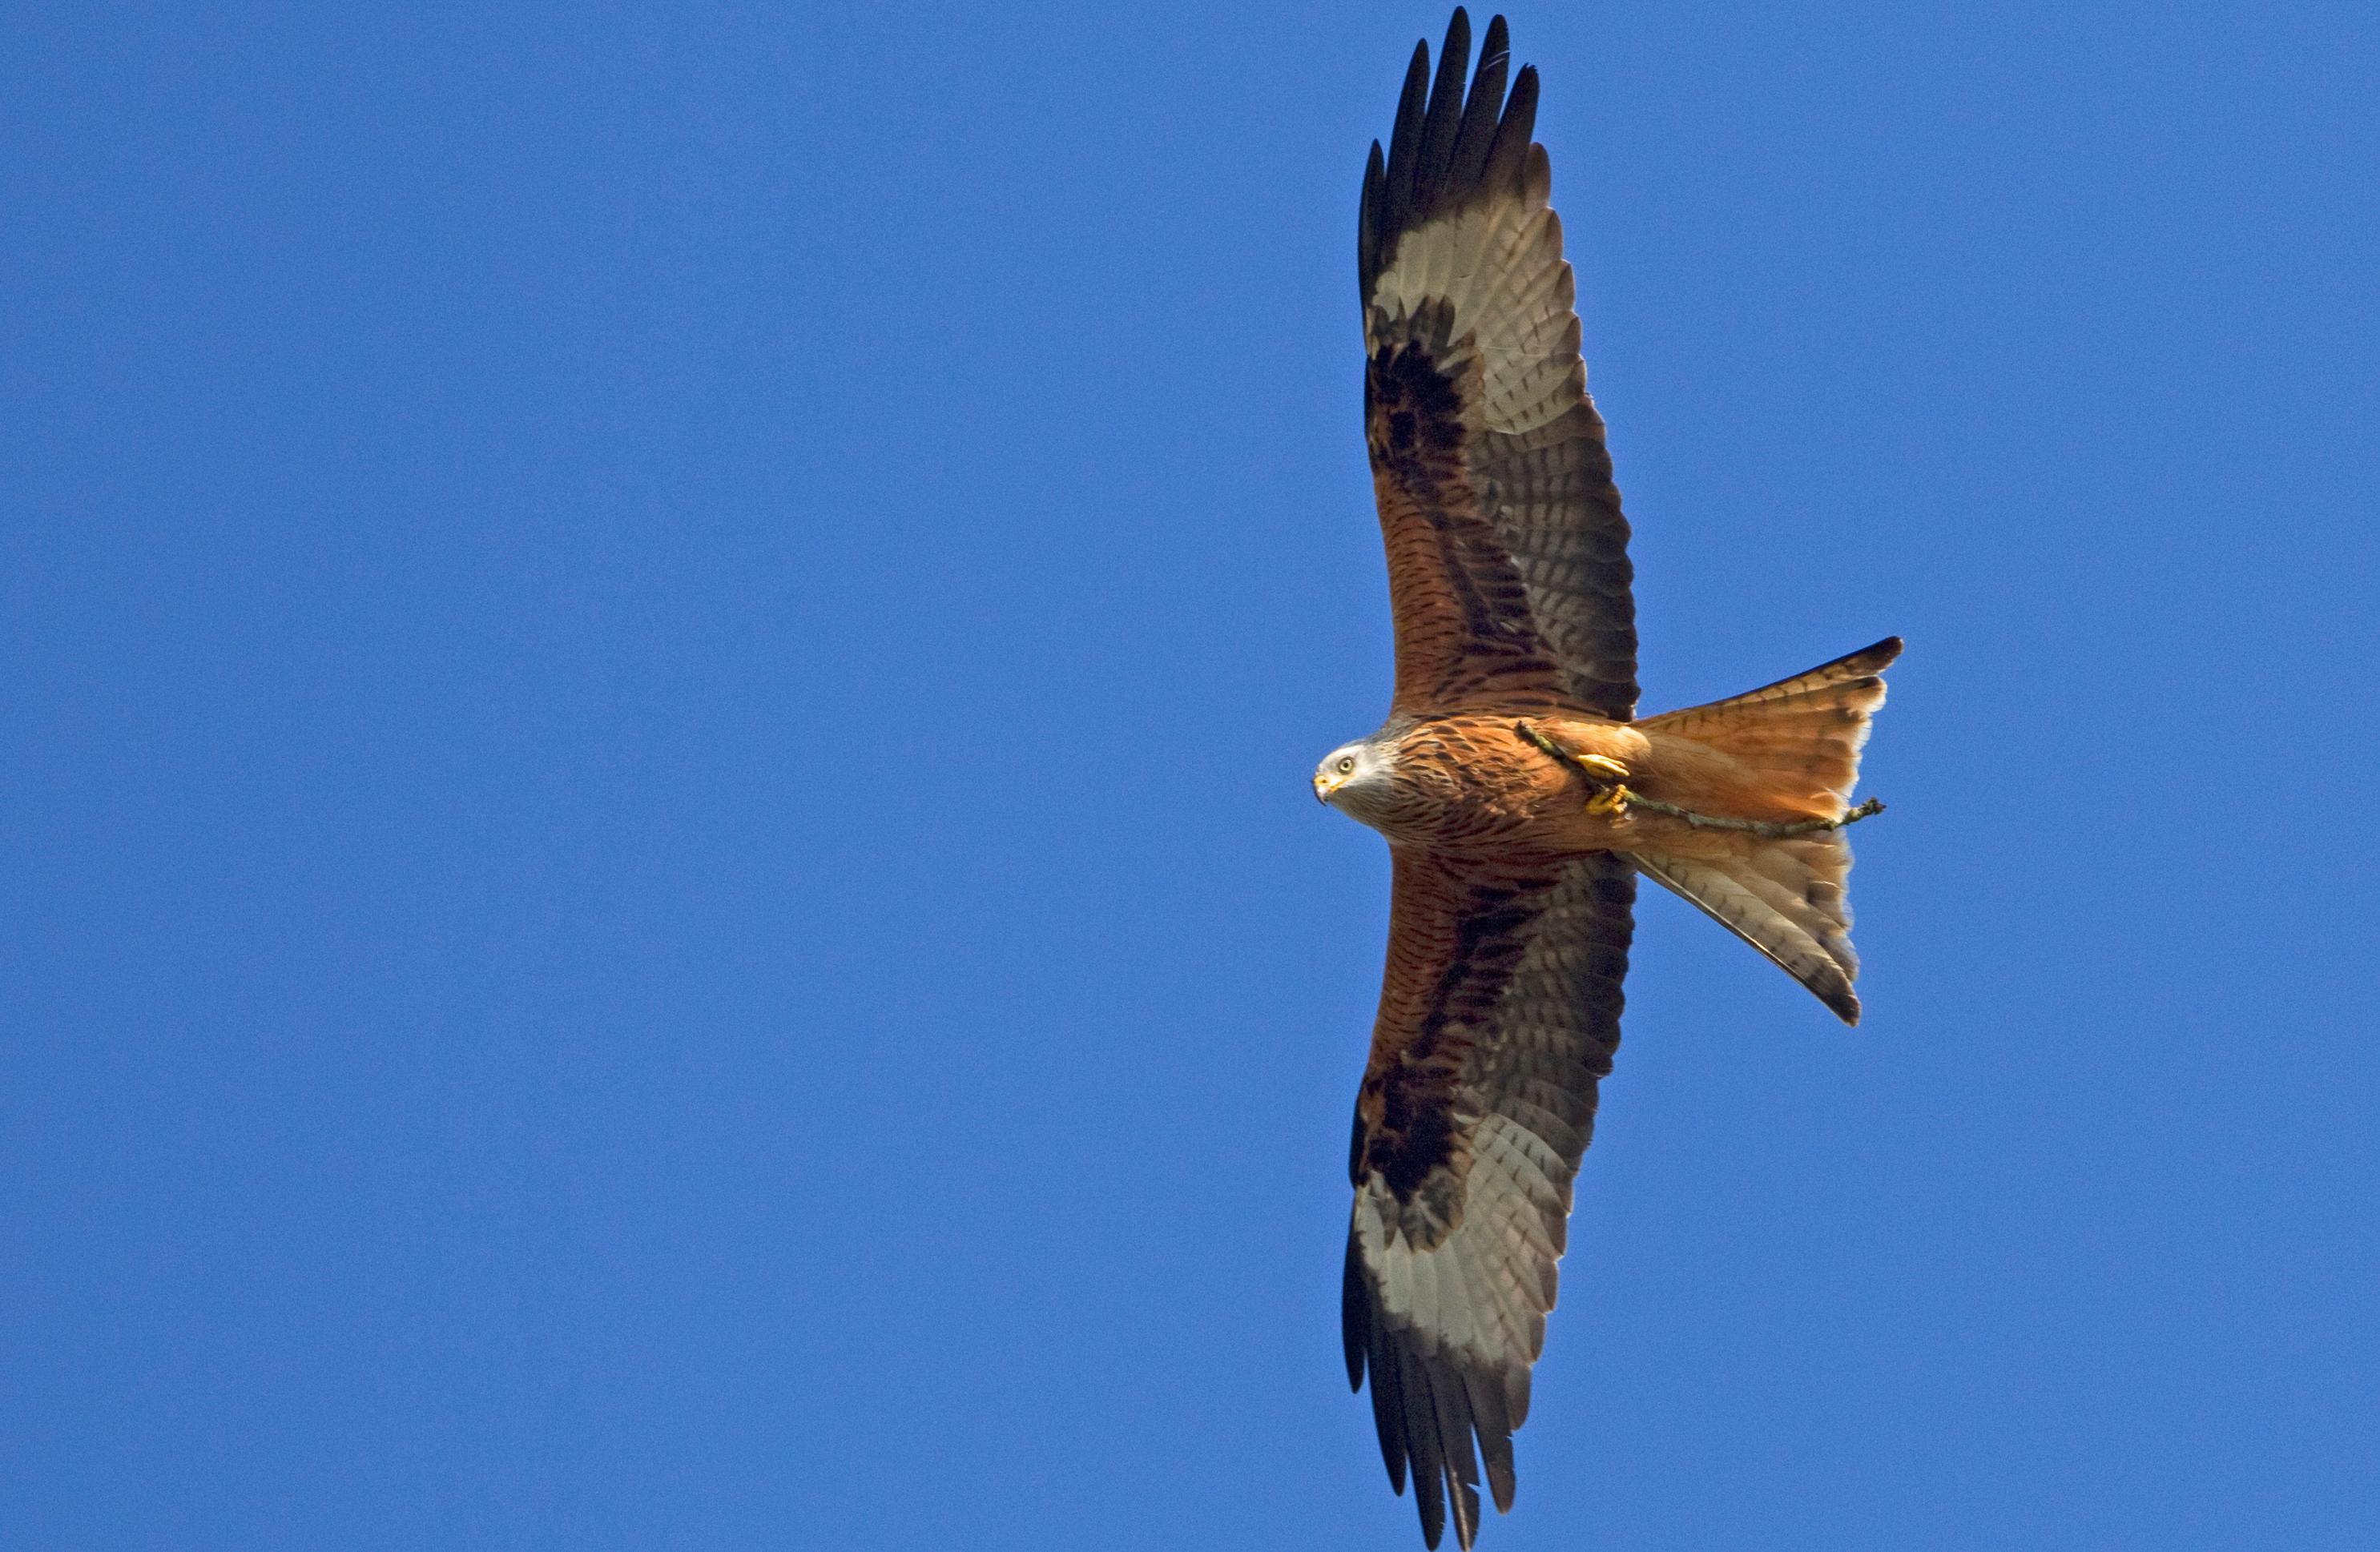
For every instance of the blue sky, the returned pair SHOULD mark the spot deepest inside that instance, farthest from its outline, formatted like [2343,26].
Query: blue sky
[662,664]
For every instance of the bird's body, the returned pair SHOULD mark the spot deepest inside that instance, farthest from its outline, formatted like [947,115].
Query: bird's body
[1467,784]
[1471,783]
[1520,793]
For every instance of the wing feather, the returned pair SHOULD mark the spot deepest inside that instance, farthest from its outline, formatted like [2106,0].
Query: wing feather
[1507,549]
[1498,1016]
[1468,161]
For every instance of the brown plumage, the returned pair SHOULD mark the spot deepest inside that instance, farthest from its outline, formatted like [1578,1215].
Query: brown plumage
[1514,869]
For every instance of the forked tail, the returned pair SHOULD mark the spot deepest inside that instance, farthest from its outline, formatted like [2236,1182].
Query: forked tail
[1791,750]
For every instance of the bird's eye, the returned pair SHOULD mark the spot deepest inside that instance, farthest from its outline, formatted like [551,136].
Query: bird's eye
[1346,764]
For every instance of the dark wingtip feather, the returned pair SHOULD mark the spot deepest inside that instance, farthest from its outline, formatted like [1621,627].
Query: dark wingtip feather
[1513,132]
[1455,1430]
[1448,148]
[1355,1314]
[1387,1399]
[1486,1393]
[1405,140]
[1444,116]
[1367,221]
[1422,1444]
[1478,136]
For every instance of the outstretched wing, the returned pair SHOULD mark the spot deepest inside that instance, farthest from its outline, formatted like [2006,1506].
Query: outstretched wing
[1498,1015]
[1508,556]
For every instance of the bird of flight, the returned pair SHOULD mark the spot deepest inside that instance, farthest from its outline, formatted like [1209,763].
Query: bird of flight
[1519,792]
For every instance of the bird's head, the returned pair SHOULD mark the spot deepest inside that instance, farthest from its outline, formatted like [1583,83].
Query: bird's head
[1351,775]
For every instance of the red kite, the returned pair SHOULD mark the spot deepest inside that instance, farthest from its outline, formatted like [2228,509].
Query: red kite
[1520,793]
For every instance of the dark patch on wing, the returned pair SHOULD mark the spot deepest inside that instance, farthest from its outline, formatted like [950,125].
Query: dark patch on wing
[1408,1104]
[1413,420]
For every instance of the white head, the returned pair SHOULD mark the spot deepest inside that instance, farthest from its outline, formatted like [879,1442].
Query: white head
[1353,776]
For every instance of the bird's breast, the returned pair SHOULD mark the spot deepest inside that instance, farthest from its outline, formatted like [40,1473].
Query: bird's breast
[1474,783]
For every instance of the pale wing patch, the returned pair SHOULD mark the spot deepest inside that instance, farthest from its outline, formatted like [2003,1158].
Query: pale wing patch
[1484,1290]
[1501,270]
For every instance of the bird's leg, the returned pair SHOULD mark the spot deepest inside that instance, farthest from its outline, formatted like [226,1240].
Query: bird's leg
[1607,778]
[1610,799]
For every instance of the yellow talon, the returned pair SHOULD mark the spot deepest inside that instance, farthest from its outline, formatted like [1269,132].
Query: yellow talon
[1611,800]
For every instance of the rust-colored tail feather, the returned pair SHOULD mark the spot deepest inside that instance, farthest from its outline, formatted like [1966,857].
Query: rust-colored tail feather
[1800,736]
[1797,745]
